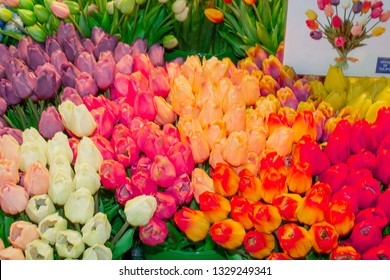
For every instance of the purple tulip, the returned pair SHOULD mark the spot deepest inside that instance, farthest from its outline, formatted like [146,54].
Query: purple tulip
[5,55]
[139,46]
[88,45]
[125,64]
[105,71]
[48,82]
[287,98]
[71,47]
[14,132]
[50,123]
[97,35]
[36,56]
[107,43]
[316,34]
[72,95]
[3,106]
[2,72]
[302,89]
[85,85]
[24,83]
[52,45]
[357,7]
[65,30]
[335,2]
[156,55]
[13,66]
[22,48]
[69,75]
[3,123]
[13,51]
[121,50]
[7,92]
[58,59]
[85,62]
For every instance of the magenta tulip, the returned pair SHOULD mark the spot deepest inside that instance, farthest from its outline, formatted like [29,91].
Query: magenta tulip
[154,232]
[112,174]
[166,205]
[181,189]
[143,183]
[163,172]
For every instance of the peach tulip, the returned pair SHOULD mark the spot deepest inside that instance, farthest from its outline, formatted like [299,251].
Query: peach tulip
[250,89]
[165,113]
[201,182]
[254,119]
[235,148]
[181,94]
[9,171]
[216,153]
[11,253]
[199,146]
[256,140]
[253,163]
[21,233]
[13,198]
[9,147]
[36,179]
[215,130]
[210,111]
[235,118]
[281,140]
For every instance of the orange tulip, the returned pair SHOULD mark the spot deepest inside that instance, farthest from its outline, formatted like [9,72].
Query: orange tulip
[193,223]
[287,204]
[289,113]
[256,140]
[235,118]
[274,183]
[235,148]
[232,98]
[181,94]
[215,130]
[165,113]
[9,147]
[278,256]
[186,125]
[314,204]
[265,217]
[294,240]
[241,210]
[250,90]
[253,164]
[215,69]
[225,180]
[222,87]
[275,121]
[228,233]
[13,198]
[299,177]
[274,160]
[259,245]
[344,253]
[266,106]
[199,146]
[205,93]
[249,185]
[324,237]
[214,206]
[216,153]
[341,216]
[9,171]
[210,111]
[254,119]
[281,140]
[214,15]
[201,182]
[304,125]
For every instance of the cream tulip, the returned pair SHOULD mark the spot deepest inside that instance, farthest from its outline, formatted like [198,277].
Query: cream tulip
[97,252]
[38,207]
[60,187]
[50,226]
[31,135]
[60,162]
[140,209]
[80,206]
[69,244]
[96,230]
[87,152]
[87,177]
[39,250]
[77,119]
[30,152]
[59,144]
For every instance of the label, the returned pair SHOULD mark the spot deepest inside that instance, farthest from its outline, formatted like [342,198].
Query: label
[383,65]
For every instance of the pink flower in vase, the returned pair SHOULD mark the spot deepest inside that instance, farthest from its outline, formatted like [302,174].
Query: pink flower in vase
[356,30]
[339,41]
[376,13]
[322,4]
[328,10]
[336,21]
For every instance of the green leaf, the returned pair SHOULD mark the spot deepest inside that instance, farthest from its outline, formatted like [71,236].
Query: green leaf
[14,35]
[115,20]
[86,31]
[106,22]
[233,255]
[123,244]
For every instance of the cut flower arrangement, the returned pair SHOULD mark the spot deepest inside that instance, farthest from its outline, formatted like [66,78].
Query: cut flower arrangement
[248,159]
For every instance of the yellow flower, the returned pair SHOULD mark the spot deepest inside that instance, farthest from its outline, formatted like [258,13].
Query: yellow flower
[377,31]
[311,15]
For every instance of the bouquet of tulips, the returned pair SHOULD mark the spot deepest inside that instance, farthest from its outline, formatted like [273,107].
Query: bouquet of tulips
[349,24]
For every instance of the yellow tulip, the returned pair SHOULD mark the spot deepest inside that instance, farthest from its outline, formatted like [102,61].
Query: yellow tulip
[335,80]
[372,112]
[383,94]
[311,15]
[336,99]
[379,30]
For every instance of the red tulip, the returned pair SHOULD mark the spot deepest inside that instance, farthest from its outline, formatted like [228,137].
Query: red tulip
[126,151]
[259,245]
[214,206]
[166,205]
[338,148]
[112,174]
[265,217]
[362,160]
[335,176]
[181,189]
[142,64]
[383,117]
[154,232]
[375,216]
[349,194]
[227,233]
[241,211]
[380,252]
[104,122]
[287,204]
[369,191]
[344,253]
[324,237]
[163,171]
[294,240]
[119,131]
[365,235]
[356,176]
[360,135]
[143,183]
[381,169]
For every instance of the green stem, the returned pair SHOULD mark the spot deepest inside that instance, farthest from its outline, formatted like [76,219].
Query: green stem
[77,226]
[20,27]
[22,116]
[75,24]
[257,12]
[33,109]
[96,200]
[164,21]
[147,7]
[9,121]
[121,19]
[135,20]
[120,232]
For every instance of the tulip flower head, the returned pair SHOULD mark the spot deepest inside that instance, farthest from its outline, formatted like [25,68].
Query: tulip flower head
[193,223]
[39,250]
[69,244]
[228,233]
[214,206]
[345,253]
[294,240]
[97,252]
[140,210]
[259,245]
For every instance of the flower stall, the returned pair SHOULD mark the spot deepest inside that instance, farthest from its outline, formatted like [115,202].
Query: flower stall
[174,130]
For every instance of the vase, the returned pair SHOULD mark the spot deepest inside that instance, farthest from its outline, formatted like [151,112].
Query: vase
[160,253]
[171,55]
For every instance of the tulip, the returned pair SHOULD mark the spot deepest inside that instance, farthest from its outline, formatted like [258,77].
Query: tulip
[227,233]
[235,148]
[24,83]
[38,207]
[275,121]
[226,181]
[159,82]
[154,233]
[105,70]
[287,205]
[249,186]
[165,114]
[126,151]
[142,183]
[36,179]
[287,98]
[72,95]
[214,206]
[60,187]
[369,191]
[338,148]
[313,207]
[281,140]
[241,211]
[145,106]
[89,153]
[85,62]
[274,183]
[341,216]
[259,245]
[61,163]
[312,24]
[60,10]
[365,235]
[139,210]
[335,176]
[113,174]
[210,111]
[69,244]
[50,123]
[199,146]
[380,252]
[97,252]
[163,171]
[311,15]
[46,85]
[193,223]
[166,205]
[382,202]
[201,182]
[13,198]
[324,237]
[374,215]
[11,253]
[87,177]
[9,147]
[39,250]
[294,240]
[85,84]
[124,193]
[50,226]
[181,157]
[256,140]
[234,118]
[181,189]
[379,30]
[299,177]
[58,145]
[80,206]
[96,230]
[21,233]
[9,171]
[316,34]
[265,218]
[77,119]
[362,160]
[385,16]
[350,194]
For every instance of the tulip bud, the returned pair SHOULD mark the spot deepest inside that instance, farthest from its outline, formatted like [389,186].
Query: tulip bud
[28,17]
[170,42]
[214,15]
[12,3]
[50,226]
[96,230]
[39,250]
[5,14]
[140,210]
[73,7]
[89,153]
[125,6]
[87,177]
[60,9]
[11,253]
[60,187]
[228,233]
[79,200]
[69,244]
[13,198]
[37,33]
[182,16]
[178,6]
[41,13]
[21,233]
[97,252]
[38,207]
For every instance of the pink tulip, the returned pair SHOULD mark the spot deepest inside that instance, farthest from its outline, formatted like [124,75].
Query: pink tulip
[181,157]
[85,84]
[9,171]
[104,146]
[112,174]
[356,30]
[339,42]
[374,215]
[11,253]
[119,131]
[362,160]
[126,151]
[166,205]
[50,123]
[181,189]
[163,172]
[121,87]
[143,183]
[154,232]
[145,106]
[125,192]
[13,198]
[127,113]
[72,95]
[138,83]
[36,179]
[143,64]
[85,62]
[104,122]
[377,12]
[159,83]
[121,50]
[383,204]
[143,164]
[350,194]
[105,70]
[369,191]
[21,233]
